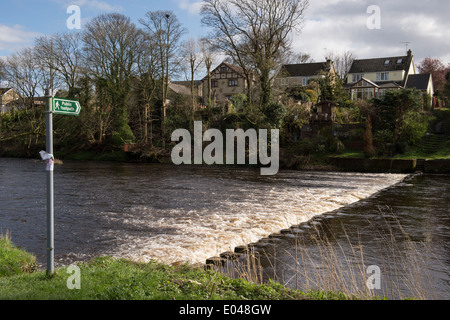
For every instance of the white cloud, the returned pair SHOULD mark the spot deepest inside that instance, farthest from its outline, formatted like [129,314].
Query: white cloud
[193,7]
[99,5]
[15,38]
[339,25]
[92,4]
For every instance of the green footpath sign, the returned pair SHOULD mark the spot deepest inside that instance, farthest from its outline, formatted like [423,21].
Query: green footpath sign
[65,106]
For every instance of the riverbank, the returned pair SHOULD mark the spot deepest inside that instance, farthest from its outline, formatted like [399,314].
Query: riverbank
[346,162]
[391,165]
[106,278]
[289,161]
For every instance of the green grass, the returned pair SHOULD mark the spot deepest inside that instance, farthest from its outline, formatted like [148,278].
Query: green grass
[411,154]
[113,279]
[107,278]
[352,154]
[14,261]
[417,153]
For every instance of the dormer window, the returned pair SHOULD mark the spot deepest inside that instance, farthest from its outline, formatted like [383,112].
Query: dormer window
[387,62]
[400,61]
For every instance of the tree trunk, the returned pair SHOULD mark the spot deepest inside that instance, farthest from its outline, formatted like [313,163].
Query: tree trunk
[266,90]
[369,150]
[146,124]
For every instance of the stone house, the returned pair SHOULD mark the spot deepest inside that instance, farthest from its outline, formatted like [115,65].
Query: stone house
[298,75]
[8,100]
[227,80]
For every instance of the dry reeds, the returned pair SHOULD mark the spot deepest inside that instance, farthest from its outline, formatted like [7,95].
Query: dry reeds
[324,261]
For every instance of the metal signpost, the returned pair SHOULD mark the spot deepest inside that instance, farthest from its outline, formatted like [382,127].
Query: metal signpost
[66,106]
[55,106]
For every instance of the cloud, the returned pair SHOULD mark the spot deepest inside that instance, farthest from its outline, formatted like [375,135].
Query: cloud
[99,5]
[340,25]
[193,7]
[15,38]
[92,5]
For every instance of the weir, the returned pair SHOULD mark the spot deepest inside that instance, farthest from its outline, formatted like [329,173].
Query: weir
[241,252]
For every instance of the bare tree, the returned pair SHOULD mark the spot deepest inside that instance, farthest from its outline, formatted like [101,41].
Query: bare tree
[255,33]
[110,46]
[298,58]
[148,73]
[2,70]
[166,31]
[61,54]
[208,54]
[192,55]
[23,73]
[342,62]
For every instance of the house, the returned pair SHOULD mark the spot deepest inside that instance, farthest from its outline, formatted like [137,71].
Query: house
[371,78]
[382,70]
[8,100]
[184,87]
[227,80]
[422,82]
[298,75]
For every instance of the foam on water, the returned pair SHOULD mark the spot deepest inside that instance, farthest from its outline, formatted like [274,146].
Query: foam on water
[230,213]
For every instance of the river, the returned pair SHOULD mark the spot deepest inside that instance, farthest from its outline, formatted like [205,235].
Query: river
[190,213]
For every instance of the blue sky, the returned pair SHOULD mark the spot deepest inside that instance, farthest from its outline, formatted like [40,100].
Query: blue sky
[21,21]
[329,26]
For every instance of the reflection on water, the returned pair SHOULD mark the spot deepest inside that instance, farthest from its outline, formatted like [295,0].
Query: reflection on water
[171,214]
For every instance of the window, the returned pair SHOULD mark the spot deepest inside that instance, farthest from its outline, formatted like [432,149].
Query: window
[305,81]
[383,76]
[232,83]
[214,84]
[284,82]
[357,77]
[223,69]
[400,61]
[387,62]
[363,93]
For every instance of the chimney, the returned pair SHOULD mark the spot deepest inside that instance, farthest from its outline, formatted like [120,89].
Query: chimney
[409,53]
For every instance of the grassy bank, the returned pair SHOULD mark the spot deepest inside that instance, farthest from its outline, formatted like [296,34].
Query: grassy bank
[112,279]
[14,261]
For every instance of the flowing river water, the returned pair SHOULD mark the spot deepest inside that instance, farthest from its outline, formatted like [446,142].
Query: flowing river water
[190,213]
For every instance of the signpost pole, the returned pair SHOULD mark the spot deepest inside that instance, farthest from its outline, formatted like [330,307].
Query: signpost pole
[55,106]
[50,187]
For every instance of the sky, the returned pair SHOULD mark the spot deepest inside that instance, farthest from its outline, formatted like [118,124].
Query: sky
[368,28]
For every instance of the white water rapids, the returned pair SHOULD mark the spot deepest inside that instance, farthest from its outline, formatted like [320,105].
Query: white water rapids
[206,216]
